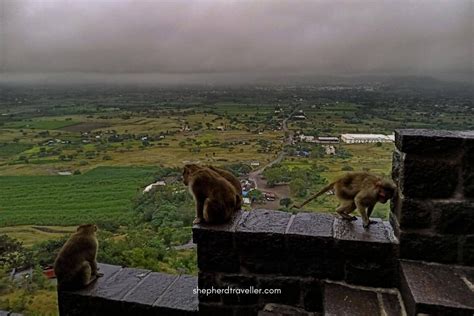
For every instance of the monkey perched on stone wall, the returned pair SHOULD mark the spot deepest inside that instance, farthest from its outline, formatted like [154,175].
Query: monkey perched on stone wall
[358,190]
[234,181]
[215,197]
[76,266]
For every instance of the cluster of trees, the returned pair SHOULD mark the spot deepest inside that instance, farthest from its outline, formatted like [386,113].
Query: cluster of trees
[300,180]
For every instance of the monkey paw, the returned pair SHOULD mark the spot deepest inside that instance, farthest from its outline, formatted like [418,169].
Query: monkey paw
[197,220]
[99,274]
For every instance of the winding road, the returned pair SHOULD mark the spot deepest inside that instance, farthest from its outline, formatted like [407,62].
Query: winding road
[255,175]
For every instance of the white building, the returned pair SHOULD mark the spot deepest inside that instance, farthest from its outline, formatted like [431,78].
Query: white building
[366,138]
[151,186]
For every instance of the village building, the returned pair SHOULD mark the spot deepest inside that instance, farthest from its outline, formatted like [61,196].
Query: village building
[366,138]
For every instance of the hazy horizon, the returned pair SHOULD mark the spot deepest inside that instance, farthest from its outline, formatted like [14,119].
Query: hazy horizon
[233,41]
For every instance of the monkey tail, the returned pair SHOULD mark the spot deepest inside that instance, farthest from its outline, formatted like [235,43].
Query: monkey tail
[330,186]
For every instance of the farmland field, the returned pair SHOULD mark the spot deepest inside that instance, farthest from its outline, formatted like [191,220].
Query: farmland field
[103,193]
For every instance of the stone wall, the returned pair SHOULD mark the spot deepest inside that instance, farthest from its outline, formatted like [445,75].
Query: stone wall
[277,250]
[433,215]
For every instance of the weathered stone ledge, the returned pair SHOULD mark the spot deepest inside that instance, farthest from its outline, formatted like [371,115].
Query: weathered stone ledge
[306,244]
[126,291]
[344,299]
[437,289]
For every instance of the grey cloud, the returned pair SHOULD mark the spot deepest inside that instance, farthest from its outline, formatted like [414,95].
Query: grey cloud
[204,36]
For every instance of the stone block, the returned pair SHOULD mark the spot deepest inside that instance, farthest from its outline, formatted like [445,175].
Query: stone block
[311,247]
[216,251]
[260,241]
[429,177]
[213,309]
[370,273]
[436,289]
[273,309]
[467,250]
[150,289]
[355,241]
[179,297]
[413,213]
[435,248]
[397,159]
[244,284]
[290,290]
[343,300]
[468,171]
[454,217]
[429,142]
[312,295]
[207,281]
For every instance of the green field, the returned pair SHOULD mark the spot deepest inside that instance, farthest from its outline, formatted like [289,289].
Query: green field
[104,193]
[40,124]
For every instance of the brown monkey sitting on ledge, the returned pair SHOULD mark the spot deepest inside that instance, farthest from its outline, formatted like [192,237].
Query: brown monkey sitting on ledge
[234,181]
[76,266]
[361,190]
[215,197]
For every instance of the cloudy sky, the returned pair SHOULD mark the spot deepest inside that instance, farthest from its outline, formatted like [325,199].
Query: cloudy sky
[258,36]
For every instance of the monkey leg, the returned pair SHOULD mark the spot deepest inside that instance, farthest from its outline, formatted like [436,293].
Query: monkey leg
[363,213]
[84,276]
[370,209]
[199,210]
[216,212]
[345,209]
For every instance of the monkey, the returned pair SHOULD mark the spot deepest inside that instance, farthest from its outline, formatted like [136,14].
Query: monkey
[234,181]
[76,266]
[358,190]
[215,197]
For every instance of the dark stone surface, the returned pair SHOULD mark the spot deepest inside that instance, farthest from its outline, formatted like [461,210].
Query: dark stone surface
[434,248]
[264,221]
[455,217]
[468,171]
[436,289]
[312,295]
[424,141]
[353,240]
[467,250]
[208,280]
[241,282]
[218,256]
[273,309]
[311,249]
[342,300]
[376,274]
[179,296]
[312,224]
[397,158]
[290,290]
[262,229]
[391,304]
[216,309]
[216,246]
[428,177]
[414,213]
[126,291]
[120,283]
[150,289]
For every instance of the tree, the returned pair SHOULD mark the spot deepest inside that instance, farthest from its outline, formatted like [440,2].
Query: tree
[286,202]
[298,187]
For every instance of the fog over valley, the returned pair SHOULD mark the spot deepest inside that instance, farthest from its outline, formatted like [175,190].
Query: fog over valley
[232,41]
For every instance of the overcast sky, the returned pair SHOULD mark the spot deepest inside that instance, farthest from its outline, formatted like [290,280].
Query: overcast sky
[258,36]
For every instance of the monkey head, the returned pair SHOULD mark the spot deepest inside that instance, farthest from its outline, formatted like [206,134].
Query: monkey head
[87,229]
[386,190]
[189,170]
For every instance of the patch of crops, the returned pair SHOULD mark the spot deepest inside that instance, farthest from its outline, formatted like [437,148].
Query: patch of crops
[104,193]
